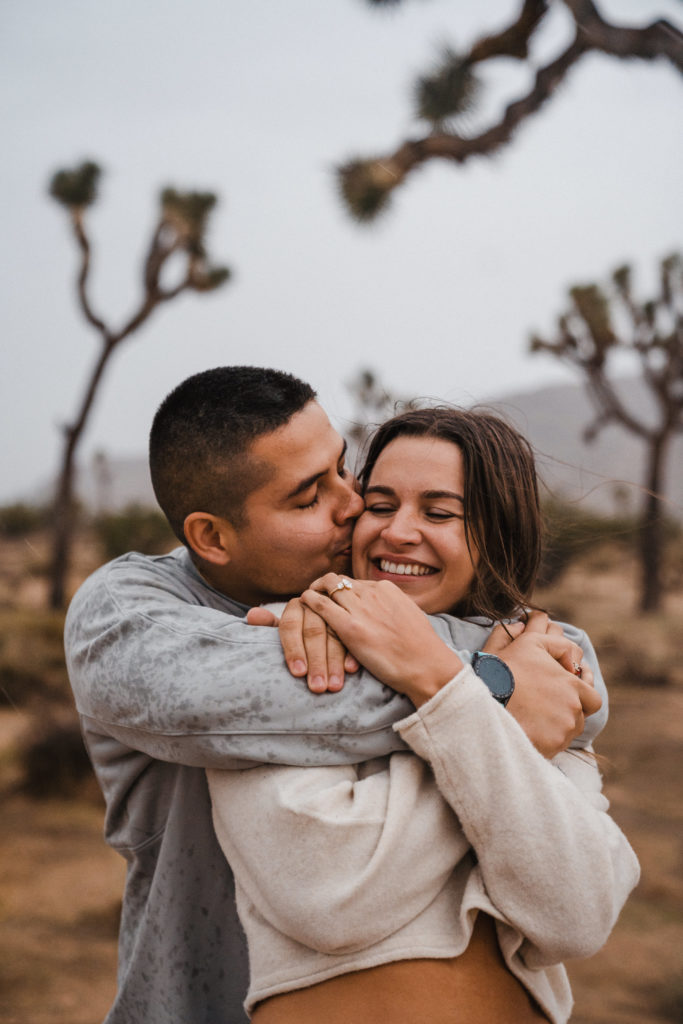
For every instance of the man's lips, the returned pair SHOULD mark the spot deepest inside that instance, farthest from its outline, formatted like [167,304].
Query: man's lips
[394,568]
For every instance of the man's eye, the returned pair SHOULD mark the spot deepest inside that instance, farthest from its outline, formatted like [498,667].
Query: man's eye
[310,504]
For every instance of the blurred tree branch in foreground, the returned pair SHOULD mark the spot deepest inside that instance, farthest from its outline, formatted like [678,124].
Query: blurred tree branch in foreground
[180,229]
[601,325]
[450,91]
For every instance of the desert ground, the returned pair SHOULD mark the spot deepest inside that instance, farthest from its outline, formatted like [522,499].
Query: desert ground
[60,886]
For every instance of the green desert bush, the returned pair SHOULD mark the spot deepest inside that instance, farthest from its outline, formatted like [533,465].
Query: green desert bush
[19,518]
[53,760]
[135,528]
[572,532]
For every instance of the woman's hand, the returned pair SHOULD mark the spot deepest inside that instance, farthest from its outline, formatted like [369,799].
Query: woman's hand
[386,632]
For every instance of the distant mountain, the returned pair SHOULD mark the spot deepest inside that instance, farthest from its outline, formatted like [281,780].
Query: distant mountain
[605,475]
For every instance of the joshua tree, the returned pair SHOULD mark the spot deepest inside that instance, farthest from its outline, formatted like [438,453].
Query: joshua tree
[181,228]
[451,89]
[598,326]
[373,404]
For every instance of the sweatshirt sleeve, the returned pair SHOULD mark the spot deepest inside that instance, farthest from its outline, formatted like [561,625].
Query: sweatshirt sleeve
[552,860]
[186,683]
[333,860]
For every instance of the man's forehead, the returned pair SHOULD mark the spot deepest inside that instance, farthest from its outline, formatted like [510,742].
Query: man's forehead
[304,447]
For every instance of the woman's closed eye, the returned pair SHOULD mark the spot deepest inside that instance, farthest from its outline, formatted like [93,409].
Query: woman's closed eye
[380,508]
[442,514]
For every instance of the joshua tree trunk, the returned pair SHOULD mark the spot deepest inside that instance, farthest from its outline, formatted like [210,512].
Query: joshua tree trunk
[652,527]
[180,229]
[652,332]
[64,512]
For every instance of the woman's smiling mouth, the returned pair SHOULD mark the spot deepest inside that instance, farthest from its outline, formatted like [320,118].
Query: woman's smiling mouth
[403,568]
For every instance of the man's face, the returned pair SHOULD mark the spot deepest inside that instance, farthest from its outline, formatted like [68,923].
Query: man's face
[298,524]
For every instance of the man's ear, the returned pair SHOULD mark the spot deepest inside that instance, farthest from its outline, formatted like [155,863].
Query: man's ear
[211,537]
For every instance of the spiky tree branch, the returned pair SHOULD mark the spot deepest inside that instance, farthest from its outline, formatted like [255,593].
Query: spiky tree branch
[181,227]
[588,336]
[366,184]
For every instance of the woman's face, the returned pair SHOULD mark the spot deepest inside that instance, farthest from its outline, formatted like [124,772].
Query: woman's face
[412,531]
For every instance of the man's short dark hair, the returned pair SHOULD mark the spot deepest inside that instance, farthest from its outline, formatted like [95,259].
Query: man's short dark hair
[200,438]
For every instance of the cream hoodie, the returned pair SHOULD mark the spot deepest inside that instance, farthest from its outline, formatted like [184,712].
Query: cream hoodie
[343,868]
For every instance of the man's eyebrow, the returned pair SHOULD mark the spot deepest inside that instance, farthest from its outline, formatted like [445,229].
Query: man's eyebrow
[431,495]
[303,485]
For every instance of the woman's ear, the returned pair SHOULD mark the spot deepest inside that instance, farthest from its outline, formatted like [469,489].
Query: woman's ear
[209,536]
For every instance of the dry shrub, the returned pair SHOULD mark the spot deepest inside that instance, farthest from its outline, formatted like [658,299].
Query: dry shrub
[53,759]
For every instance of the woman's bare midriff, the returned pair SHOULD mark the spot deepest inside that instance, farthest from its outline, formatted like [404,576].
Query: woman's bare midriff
[474,988]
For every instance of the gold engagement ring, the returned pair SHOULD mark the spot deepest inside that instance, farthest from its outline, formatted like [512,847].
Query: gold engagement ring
[343,584]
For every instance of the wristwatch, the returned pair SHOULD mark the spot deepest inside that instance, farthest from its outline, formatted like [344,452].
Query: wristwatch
[495,673]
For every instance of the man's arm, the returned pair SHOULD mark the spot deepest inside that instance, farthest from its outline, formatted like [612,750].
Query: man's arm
[188,683]
[184,682]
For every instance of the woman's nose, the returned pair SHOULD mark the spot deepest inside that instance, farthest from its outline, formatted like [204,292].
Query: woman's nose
[402,529]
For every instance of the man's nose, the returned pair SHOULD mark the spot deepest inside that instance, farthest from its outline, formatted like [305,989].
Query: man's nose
[350,503]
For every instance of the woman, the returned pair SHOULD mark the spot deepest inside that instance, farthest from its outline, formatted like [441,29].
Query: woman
[413,892]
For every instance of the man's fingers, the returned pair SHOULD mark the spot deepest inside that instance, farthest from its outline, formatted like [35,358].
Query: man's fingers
[336,653]
[503,635]
[351,664]
[571,657]
[315,639]
[291,638]
[261,617]
[537,622]
[591,701]
[311,648]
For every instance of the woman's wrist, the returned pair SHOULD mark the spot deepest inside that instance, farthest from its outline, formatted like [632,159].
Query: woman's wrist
[427,682]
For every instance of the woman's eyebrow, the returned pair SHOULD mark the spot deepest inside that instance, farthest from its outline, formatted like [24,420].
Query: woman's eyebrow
[442,494]
[430,495]
[378,489]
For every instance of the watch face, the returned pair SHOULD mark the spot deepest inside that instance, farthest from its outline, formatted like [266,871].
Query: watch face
[495,674]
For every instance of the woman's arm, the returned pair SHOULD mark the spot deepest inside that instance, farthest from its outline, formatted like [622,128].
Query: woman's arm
[338,862]
[552,860]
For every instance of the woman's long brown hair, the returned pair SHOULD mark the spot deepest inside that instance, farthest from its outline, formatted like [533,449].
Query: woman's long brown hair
[501,506]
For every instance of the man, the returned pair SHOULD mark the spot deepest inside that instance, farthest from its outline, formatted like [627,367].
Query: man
[169,679]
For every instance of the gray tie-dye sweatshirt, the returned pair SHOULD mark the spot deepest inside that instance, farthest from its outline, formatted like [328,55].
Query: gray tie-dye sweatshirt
[169,680]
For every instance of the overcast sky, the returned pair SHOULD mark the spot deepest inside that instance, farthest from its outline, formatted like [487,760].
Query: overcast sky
[258,100]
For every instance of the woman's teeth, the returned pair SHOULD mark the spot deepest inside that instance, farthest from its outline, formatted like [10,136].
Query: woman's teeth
[405,569]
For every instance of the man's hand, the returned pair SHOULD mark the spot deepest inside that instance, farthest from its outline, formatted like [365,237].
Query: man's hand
[259,616]
[550,701]
[311,649]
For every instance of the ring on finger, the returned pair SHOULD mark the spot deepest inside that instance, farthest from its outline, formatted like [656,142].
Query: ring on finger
[577,669]
[343,584]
